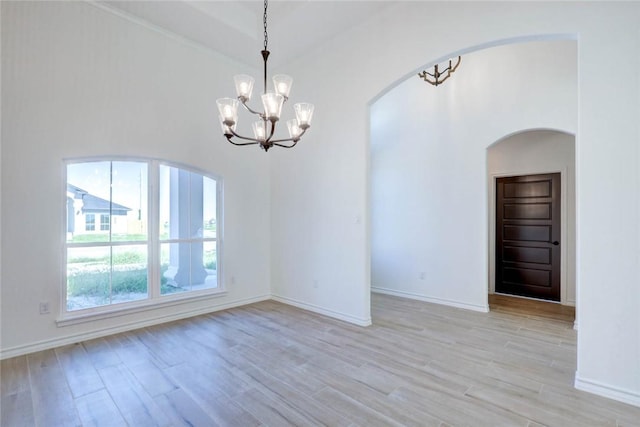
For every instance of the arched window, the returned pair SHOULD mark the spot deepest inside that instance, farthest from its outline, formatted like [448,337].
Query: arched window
[139,232]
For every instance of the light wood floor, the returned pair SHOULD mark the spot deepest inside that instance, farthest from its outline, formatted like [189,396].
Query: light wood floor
[535,309]
[270,364]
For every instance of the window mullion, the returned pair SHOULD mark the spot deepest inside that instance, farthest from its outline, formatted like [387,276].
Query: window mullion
[153,221]
[110,235]
[219,231]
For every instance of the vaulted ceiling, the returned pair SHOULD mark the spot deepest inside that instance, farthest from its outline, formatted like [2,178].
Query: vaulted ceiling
[235,28]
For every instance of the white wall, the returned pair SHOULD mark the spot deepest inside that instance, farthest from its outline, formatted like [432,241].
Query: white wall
[321,188]
[428,215]
[533,152]
[76,79]
[80,81]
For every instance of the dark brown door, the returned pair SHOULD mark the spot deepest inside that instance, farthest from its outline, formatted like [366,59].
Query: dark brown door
[528,236]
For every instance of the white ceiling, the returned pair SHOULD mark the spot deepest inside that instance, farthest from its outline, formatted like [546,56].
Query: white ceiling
[235,28]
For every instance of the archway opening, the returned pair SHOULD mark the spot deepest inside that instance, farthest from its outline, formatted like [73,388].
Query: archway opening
[429,204]
[519,160]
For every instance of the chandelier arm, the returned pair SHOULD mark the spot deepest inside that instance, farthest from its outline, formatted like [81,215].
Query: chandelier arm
[424,75]
[252,111]
[426,79]
[286,146]
[275,142]
[457,63]
[254,141]
[243,143]
[278,142]
[443,80]
[240,143]
[273,130]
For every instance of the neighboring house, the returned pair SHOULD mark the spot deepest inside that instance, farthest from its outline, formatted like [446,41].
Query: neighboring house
[89,214]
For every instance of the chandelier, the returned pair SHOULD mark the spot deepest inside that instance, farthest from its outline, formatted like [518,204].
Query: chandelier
[272,102]
[434,78]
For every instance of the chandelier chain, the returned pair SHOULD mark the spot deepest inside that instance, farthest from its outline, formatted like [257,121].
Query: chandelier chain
[264,20]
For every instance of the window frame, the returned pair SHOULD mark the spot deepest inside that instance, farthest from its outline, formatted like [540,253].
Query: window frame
[217,239]
[154,297]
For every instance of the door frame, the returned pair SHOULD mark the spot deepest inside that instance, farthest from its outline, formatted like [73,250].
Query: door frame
[563,225]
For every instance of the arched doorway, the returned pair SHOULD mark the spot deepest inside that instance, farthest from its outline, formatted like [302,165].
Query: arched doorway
[532,153]
[429,204]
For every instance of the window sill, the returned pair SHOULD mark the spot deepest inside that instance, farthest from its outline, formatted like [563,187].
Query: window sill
[137,307]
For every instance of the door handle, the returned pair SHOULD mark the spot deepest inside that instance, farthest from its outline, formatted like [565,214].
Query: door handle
[556,243]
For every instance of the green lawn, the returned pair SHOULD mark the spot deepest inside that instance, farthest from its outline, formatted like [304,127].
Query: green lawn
[124,272]
[91,238]
[96,284]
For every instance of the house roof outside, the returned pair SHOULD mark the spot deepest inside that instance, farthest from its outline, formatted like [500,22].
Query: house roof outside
[95,204]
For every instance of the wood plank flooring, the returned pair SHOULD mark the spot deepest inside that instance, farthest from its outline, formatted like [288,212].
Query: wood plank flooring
[531,308]
[270,364]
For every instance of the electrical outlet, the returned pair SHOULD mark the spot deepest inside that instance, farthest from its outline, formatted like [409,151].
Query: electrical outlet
[233,280]
[423,275]
[44,308]
[315,283]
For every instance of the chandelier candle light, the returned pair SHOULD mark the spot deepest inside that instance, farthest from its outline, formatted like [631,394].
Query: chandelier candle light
[435,77]
[264,128]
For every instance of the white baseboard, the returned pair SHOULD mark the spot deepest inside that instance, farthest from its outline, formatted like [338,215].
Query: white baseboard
[156,320]
[434,300]
[320,310]
[20,350]
[608,391]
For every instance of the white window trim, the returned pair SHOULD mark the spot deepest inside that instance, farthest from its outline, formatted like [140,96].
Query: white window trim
[134,307]
[154,299]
